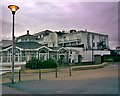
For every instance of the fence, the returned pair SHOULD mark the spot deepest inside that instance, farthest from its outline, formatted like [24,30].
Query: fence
[38,74]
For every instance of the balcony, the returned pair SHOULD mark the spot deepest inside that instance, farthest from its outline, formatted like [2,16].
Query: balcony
[68,41]
[75,42]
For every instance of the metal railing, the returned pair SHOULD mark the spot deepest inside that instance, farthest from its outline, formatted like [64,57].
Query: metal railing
[65,41]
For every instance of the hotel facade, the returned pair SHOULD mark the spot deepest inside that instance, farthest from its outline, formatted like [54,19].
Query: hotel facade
[65,47]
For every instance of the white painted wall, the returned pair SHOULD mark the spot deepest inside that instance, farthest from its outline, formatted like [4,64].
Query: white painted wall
[84,39]
[72,36]
[53,40]
[101,52]
[87,56]
[75,52]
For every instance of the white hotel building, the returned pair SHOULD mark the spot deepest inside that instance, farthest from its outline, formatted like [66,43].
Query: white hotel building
[65,47]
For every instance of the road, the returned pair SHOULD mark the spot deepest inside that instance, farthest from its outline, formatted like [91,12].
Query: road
[98,81]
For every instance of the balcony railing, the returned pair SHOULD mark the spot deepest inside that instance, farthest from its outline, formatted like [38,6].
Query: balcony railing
[67,41]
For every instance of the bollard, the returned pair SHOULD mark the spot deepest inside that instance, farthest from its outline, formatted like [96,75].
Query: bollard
[40,77]
[19,75]
[70,73]
[56,72]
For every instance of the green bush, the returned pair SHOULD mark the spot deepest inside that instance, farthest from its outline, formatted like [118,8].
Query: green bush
[34,63]
[116,58]
[50,63]
[112,58]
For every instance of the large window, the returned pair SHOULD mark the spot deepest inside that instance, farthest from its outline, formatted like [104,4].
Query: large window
[24,56]
[33,54]
[4,56]
[43,54]
[16,57]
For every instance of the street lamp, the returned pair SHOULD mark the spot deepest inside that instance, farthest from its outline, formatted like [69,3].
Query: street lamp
[13,9]
[92,50]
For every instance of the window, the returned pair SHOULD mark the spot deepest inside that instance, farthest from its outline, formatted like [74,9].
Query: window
[98,43]
[38,36]
[41,36]
[93,44]
[19,40]
[53,45]
[93,36]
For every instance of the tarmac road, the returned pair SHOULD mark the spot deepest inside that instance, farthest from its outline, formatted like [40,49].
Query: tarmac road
[98,81]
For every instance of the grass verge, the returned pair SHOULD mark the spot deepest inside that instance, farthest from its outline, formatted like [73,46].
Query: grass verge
[37,70]
[89,67]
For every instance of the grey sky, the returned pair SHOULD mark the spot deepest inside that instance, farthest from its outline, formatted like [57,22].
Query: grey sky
[99,17]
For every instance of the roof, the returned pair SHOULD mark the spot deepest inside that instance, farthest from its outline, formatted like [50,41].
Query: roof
[45,32]
[82,31]
[5,43]
[27,36]
[92,32]
[80,46]
[118,47]
[4,47]
[28,45]
[60,33]
[54,48]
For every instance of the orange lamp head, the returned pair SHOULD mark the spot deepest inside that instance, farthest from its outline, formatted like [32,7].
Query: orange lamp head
[13,8]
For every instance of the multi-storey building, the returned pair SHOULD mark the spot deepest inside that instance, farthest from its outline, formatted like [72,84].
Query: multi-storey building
[65,47]
[88,40]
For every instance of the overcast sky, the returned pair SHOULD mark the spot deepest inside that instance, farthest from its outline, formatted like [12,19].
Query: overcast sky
[98,17]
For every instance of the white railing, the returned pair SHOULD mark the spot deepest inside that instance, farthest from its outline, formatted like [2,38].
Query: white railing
[15,63]
[65,41]
[8,59]
[5,70]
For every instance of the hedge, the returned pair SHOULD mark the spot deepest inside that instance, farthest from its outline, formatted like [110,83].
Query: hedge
[35,63]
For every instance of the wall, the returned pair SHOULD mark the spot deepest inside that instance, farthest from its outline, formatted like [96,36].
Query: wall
[84,39]
[52,40]
[102,52]
[87,56]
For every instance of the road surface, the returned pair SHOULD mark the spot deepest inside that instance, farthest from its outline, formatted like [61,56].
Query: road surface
[98,81]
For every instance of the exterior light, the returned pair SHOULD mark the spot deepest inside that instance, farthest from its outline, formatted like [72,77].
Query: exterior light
[13,9]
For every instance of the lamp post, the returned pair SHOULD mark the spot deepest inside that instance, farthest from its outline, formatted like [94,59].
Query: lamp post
[13,9]
[92,50]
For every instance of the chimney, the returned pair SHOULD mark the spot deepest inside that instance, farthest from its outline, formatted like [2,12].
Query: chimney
[27,32]
[85,30]
[72,31]
[63,31]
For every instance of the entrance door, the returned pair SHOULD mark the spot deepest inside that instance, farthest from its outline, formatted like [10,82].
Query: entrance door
[62,57]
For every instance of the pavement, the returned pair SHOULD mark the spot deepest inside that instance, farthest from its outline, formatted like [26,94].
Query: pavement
[97,81]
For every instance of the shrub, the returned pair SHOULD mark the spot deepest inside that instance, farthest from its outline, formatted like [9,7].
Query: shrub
[50,63]
[34,63]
